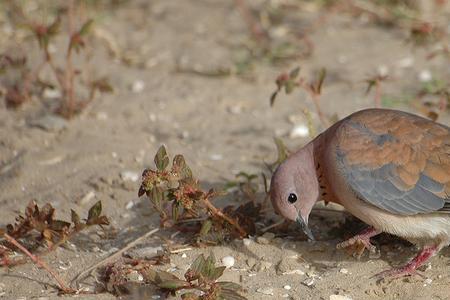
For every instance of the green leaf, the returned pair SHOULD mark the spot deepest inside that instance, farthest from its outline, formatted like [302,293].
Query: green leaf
[216,273]
[273,97]
[179,164]
[294,73]
[87,26]
[75,217]
[95,211]
[169,281]
[174,284]
[198,265]
[209,268]
[227,294]
[175,211]
[229,285]
[322,74]
[289,86]
[206,227]
[161,159]
[58,225]
[157,197]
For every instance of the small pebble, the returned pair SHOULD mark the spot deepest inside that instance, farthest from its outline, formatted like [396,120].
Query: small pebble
[285,295]
[428,281]
[228,261]
[287,287]
[382,70]
[406,62]
[129,176]
[87,198]
[309,281]
[129,205]
[184,255]
[343,271]
[265,291]
[299,131]
[246,242]
[137,86]
[339,297]
[216,157]
[51,93]
[156,297]
[425,76]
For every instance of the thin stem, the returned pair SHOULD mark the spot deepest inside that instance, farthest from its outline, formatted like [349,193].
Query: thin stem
[110,258]
[220,214]
[69,73]
[39,262]
[253,25]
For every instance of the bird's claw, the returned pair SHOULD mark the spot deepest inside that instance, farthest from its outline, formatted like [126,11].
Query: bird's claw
[357,245]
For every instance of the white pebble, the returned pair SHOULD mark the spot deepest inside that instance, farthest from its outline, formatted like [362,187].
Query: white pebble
[287,287]
[343,271]
[285,295]
[425,76]
[382,70]
[228,261]
[309,281]
[296,272]
[129,176]
[406,62]
[87,198]
[265,291]
[216,157]
[51,93]
[339,297]
[428,281]
[299,131]
[102,116]
[246,242]
[156,297]
[129,205]
[137,86]
[183,255]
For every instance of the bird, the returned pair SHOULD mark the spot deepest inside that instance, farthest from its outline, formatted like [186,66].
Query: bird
[388,168]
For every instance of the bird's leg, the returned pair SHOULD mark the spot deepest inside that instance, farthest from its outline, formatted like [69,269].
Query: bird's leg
[361,242]
[411,267]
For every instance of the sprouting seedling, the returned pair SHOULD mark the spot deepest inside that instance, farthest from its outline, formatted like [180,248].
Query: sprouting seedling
[65,74]
[176,195]
[53,232]
[375,82]
[202,276]
[290,81]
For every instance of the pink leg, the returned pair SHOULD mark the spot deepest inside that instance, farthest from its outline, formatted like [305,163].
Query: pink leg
[411,267]
[361,241]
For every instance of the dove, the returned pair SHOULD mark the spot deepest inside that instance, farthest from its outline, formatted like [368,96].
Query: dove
[388,168]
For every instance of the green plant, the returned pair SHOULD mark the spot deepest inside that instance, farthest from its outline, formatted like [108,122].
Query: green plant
[201,276]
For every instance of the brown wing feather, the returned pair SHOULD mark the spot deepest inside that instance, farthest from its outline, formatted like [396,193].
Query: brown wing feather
[397,161]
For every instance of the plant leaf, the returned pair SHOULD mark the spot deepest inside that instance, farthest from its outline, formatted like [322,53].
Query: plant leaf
[198,265]
[161,159]
[87,26]
[294,73]
[321,79]
[95,211]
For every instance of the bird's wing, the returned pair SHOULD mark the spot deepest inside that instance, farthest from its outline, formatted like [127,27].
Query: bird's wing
[396,161]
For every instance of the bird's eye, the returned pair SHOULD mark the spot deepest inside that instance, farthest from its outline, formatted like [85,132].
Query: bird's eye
[292,198]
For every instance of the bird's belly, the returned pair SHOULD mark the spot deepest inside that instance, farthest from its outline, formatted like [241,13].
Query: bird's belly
[432,228]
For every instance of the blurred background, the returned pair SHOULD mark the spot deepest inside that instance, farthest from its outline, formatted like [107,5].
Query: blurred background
[89,89]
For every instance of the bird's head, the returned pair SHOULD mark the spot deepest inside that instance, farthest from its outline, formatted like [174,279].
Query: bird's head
[294,188]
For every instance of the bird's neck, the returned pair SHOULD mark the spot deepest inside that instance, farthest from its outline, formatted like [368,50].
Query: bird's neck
[320,162]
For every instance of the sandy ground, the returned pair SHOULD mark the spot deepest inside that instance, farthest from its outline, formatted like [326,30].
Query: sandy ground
[222,124]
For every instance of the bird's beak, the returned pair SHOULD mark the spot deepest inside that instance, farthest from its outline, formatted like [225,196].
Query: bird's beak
[304,227]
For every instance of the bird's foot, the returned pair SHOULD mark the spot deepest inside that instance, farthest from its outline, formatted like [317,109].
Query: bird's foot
[360,242]
[410,268]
